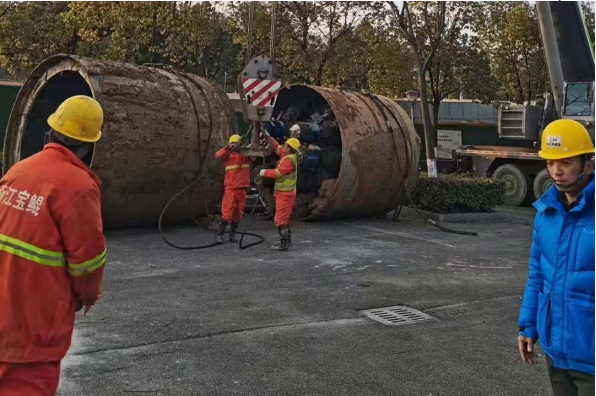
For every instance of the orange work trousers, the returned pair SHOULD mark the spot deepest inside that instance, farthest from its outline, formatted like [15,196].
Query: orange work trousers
[284,204]
[234,202]
[29,379]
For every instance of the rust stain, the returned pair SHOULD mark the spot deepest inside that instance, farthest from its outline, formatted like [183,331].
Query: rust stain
[157,125]
[380,155]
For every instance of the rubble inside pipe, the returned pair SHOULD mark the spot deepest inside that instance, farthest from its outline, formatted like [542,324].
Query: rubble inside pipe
[304,114]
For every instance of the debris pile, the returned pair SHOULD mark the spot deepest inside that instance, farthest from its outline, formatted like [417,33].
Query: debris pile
[348,133]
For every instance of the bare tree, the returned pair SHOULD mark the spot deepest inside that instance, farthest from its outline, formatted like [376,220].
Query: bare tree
[424,47]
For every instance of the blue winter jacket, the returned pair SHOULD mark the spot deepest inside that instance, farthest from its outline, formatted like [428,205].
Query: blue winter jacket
[558,304]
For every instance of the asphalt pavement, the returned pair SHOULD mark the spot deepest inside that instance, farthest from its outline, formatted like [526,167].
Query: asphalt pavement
[222,321]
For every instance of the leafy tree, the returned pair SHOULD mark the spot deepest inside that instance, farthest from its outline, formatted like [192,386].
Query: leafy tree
[459,65]
[124,31]
[509,34]
[31,31]
[190,36]
[372,57]
[309,34]
[588,11]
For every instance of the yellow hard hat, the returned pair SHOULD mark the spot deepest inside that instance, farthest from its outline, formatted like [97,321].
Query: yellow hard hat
[564,139]
[234,139]
[293,143]
[78,117]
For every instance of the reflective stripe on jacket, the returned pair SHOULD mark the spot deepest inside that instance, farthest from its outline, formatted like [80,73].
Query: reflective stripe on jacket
[237,167]
[52,253]
[286,182]
[286,173]
[558,303]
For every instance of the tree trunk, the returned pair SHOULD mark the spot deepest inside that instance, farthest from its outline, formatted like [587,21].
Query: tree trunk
[436,107]
[72,45]
[154,36]
[429,139]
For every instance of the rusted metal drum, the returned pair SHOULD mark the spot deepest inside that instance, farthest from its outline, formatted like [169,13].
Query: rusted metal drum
[158,126]
[379,151]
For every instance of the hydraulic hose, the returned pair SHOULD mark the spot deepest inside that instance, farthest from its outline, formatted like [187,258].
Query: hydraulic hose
[214,243]
[159,224]
[261,239]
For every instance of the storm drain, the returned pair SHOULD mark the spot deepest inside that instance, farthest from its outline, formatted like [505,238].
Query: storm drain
[396,316]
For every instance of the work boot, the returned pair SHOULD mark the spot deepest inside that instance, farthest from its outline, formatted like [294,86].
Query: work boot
[220,231]
[289,236]
[283,240]
[233,228]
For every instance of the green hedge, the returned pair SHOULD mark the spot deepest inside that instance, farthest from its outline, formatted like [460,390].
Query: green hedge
[457,194]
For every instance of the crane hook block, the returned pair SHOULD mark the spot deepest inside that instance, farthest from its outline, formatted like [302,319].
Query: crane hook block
[259,87]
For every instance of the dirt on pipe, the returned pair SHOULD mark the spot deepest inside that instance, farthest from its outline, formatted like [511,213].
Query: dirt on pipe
[158,125]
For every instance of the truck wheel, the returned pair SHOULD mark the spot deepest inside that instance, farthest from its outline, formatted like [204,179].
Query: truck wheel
[516,183]
[542,182]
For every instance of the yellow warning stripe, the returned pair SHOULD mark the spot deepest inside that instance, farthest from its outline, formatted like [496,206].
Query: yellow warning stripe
[30,252]
[230,167]
[88,266]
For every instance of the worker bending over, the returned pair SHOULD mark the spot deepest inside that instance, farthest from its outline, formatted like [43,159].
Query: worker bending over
[236,182]
[52,250]
[285,176]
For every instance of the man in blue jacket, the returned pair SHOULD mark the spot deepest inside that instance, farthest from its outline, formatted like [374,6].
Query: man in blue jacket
[558,303]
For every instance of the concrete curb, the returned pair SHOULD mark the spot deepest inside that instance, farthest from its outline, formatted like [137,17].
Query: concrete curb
[410,213]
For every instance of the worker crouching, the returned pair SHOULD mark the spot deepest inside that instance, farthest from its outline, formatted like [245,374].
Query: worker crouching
[52,250]
[285,176]
[236,182]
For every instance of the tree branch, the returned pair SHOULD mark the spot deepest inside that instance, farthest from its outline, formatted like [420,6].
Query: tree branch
[438,38]
[11,5]
[446,94]
[402,24]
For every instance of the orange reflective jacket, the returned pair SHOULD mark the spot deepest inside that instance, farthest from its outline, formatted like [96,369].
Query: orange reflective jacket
[237,168]
[52,253]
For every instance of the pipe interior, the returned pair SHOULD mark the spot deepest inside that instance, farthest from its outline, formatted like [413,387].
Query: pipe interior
[303,106]
[57,89]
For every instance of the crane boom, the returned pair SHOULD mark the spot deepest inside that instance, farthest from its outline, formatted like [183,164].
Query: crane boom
[570,60]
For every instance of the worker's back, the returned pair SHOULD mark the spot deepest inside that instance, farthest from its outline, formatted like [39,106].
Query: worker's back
[50,218]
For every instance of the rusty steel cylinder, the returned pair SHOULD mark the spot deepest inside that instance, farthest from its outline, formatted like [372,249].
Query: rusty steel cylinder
[379,150]
[159,125]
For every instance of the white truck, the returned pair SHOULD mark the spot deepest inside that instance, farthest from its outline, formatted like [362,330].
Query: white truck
[570,59]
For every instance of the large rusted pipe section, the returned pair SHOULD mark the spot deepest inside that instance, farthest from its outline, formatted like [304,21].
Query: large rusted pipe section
[158,126]
[379,151]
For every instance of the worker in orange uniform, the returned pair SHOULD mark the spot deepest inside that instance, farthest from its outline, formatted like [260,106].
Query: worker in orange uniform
[285,176]
[236,182]
[52,250]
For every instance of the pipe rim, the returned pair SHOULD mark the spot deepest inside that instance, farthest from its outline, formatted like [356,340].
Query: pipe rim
[28,95]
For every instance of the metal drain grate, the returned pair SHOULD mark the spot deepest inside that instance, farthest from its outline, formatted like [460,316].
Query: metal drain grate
[396,316]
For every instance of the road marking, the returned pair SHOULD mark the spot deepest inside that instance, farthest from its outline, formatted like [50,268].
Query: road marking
[478,266]
[462,304]
[405,235]
[148,274]
[336,263]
